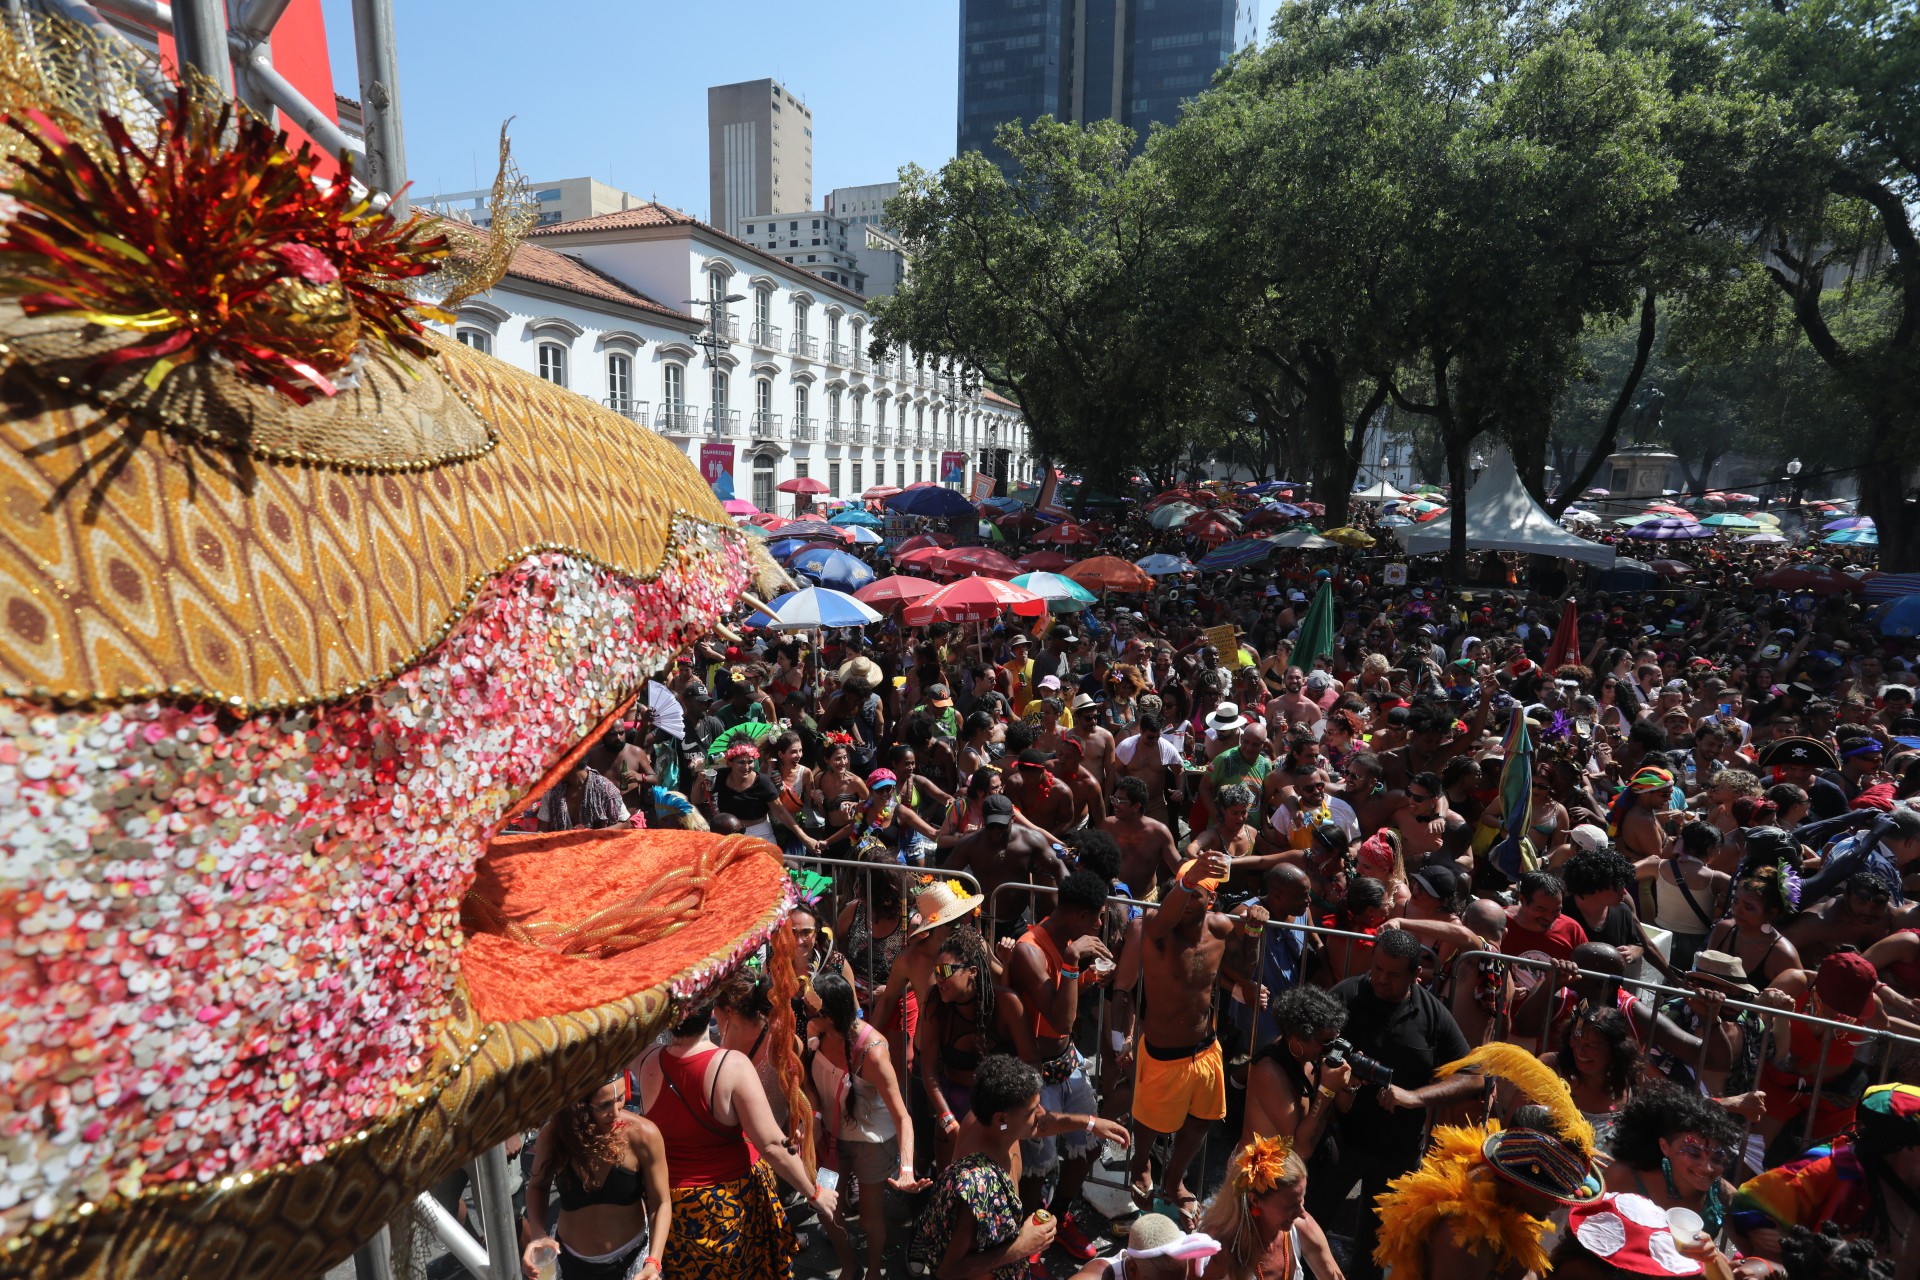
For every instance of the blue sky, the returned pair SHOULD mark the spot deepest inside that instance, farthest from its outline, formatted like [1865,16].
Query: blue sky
[617,90]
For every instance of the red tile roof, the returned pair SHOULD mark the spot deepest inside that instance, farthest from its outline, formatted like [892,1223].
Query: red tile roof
[994,397]
[542,265]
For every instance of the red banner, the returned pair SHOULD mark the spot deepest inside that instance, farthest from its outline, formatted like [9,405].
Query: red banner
[716,468]
[953,468]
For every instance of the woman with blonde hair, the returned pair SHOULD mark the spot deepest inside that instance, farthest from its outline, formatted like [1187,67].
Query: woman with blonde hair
[1260,1219]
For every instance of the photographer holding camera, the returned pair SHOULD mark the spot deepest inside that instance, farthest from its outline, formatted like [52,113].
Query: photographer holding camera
[1397,1032]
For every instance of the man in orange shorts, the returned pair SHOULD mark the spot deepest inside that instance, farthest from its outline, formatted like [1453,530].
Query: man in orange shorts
[1180,1081]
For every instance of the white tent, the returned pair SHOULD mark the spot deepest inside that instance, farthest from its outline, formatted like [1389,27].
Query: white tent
[1502,516]
[1302,540]
[1382,492]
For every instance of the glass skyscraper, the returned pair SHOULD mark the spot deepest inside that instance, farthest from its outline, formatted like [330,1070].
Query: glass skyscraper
[1134,61]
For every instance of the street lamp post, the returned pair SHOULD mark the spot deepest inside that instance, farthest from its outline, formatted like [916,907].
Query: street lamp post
[713,341]
[1793,483]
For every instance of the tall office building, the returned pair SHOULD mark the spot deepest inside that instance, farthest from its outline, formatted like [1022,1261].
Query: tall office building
[759,151]
[1134,61]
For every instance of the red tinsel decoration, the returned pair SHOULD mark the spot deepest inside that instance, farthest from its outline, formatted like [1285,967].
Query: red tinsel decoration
[204,247]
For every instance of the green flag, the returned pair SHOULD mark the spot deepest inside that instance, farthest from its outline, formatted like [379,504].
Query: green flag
[1316,631]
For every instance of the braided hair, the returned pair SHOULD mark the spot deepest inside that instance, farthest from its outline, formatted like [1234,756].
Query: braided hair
[967,947]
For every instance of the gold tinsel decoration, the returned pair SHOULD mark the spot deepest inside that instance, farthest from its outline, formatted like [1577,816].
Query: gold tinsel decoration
[478,262]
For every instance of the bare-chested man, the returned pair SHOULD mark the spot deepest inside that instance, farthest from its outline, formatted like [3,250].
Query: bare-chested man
[1180,1081]
[1366,794]
[1001,852]
[1422,822]
[1089,801]
[1043,798]
[1293,706]
[1150,757]
[1431,741]
[1096,742]
[1147,856]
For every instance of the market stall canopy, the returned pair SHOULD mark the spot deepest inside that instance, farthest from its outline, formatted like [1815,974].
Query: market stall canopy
[1502,516]
[1382,492]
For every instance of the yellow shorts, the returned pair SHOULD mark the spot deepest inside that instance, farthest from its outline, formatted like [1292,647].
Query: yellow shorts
[1166,1093]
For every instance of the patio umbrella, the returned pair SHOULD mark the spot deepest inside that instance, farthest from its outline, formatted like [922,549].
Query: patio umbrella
[769,521]
[782,547]
[1901,617]
[1043,561]
[1820,579]
[1173,515]
[1741,497]
[854,515]
[878,492]
[933,502]
[1579,517]
[1348,536]
[811,609]
[920,558]
[922,540]
[888,594]
[1630,521]
[834,569]
[1668,509]
[1002,506]
[1394,521]
[739,507]
[1729,520]
[1848,522]
[1312,508]
[984,561]
[1670,568]
[1110,573]
[1063,595]
[1316,631]
[1302,540]
[1667,529]
[812,528]
[1231,555]
[1069,534]
[1852,538]
[1599,493]
[1209,528]
[1162,565]
[861,536]
[972,599]
[801,484]
[1429,515]
[1763,539]
[1565,647]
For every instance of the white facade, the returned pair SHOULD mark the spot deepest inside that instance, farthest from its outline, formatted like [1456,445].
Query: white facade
[813,240]
[863,206]
[784,380]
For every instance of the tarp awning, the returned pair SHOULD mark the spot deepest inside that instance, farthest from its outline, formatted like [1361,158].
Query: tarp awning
[1502,516]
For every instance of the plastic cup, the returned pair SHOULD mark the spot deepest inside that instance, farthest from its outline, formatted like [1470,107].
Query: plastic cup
[1689,1234]
[1102,966]
[546,1261]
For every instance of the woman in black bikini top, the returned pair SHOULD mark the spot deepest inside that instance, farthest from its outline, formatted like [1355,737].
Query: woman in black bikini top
[610,1167]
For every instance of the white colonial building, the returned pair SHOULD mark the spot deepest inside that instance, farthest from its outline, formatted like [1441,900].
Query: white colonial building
[757,369]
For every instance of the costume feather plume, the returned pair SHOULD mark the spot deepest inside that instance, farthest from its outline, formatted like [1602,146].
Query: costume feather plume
[1444,1187]
[1537,1081]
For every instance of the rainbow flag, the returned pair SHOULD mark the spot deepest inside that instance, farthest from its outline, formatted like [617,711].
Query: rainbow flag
[1513,856]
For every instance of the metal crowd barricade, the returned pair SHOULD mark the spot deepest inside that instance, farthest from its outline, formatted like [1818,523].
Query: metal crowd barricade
[1829,1028]
[1254,1018]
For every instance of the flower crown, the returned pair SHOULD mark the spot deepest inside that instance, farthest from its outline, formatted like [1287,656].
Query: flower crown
[1261,1165]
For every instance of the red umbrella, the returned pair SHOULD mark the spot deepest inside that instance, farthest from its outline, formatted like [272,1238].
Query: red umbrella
[1209,528]
[1109,573]
[801,484]
[1421,517]
[1171,495]
[1267,519]
[972,599]
[921,484]
[1069,534]
[886,594]
[1667,508]
[1566,640]
[1020,520]
[1042,562]
[769,521]
[920,541]
[1670,568]
[874,493]
[984,561]
[1312,508]
[1818,578]
[927,558]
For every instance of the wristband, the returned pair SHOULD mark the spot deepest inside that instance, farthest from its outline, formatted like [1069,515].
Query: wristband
[1090,1120]
[1327,1093]
[1069,973]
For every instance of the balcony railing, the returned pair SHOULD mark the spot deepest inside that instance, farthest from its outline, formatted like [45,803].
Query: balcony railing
[630,409]
[880,436]
[838,354]
[806,430]
[766,336]
[861,364]
[727,327]
[677,419]
[804,347]
[856,433]
[723,422]
[766,426]
[919,377]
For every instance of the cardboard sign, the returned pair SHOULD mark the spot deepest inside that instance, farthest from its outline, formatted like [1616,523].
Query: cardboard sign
[1224,640]
[982,487]
[1394,575]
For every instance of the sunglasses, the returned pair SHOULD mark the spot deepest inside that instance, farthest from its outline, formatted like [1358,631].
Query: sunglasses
[948,970]
[1693,1149]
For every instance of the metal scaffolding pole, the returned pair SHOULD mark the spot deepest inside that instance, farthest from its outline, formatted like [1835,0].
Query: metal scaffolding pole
[380,100]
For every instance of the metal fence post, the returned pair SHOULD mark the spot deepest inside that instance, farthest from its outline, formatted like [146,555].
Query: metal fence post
[495,1197]
[374,1259]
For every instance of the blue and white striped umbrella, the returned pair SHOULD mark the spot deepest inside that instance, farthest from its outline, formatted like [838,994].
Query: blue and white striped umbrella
[1231,555]
[811,609]
[865,537]
[1164,566]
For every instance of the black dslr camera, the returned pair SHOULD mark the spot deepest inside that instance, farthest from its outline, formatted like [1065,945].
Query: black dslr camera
[1365,1070]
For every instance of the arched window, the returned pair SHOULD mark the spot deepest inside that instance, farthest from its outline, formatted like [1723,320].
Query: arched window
[799,408]
[619,381]
[553,363]
[673,397]
[717,382]
[763,482]
[479,339]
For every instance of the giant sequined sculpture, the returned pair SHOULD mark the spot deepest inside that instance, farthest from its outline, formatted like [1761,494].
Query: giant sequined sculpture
[298,603]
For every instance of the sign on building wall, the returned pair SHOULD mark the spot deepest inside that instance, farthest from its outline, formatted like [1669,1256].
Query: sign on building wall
[716,468]
[953,468]
[982,487]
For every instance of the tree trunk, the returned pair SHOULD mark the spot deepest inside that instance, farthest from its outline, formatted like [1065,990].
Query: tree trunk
[1458,447]
[1324,426]
[1884,489]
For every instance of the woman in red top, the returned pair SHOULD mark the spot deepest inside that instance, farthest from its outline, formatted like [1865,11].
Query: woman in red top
[709,1105]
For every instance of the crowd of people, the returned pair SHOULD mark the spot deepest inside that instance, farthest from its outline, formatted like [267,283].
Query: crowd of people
[1109,900]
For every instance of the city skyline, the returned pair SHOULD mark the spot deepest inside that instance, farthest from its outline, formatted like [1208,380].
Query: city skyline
[884,93]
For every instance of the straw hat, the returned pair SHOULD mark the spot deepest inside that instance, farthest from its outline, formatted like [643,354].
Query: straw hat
[940,903]
[1720,969]
[861,673]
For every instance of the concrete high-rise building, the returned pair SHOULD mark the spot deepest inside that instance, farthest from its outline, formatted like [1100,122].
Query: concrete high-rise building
[1134,61]
[863,206]
[563,200]
[759,151]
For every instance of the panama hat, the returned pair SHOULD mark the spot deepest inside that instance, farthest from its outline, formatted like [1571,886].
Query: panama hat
[940,903]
